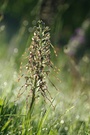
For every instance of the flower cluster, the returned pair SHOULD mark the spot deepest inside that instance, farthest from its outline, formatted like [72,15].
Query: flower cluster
[39,58]
[38,64]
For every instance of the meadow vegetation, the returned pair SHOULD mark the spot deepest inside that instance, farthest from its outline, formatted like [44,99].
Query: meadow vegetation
[44,90]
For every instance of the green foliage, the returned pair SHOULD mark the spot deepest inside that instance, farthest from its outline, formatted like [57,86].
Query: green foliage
[7,112]
[12,122]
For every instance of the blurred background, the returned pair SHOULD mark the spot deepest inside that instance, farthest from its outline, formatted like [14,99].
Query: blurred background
[69,21]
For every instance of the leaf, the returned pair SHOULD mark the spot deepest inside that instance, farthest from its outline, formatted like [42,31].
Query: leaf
[6,125]
[41,122]
[1,102]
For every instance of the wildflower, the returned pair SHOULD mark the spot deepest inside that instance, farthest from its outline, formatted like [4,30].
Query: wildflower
[38,62]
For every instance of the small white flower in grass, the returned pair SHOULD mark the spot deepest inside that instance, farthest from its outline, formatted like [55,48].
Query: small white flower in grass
[5,83]
[77,117]
[62,121]
[44,129]
[66,128]
[19,132]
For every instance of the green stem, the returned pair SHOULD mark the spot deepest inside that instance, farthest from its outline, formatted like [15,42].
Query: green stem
[33,96]
[33,99]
